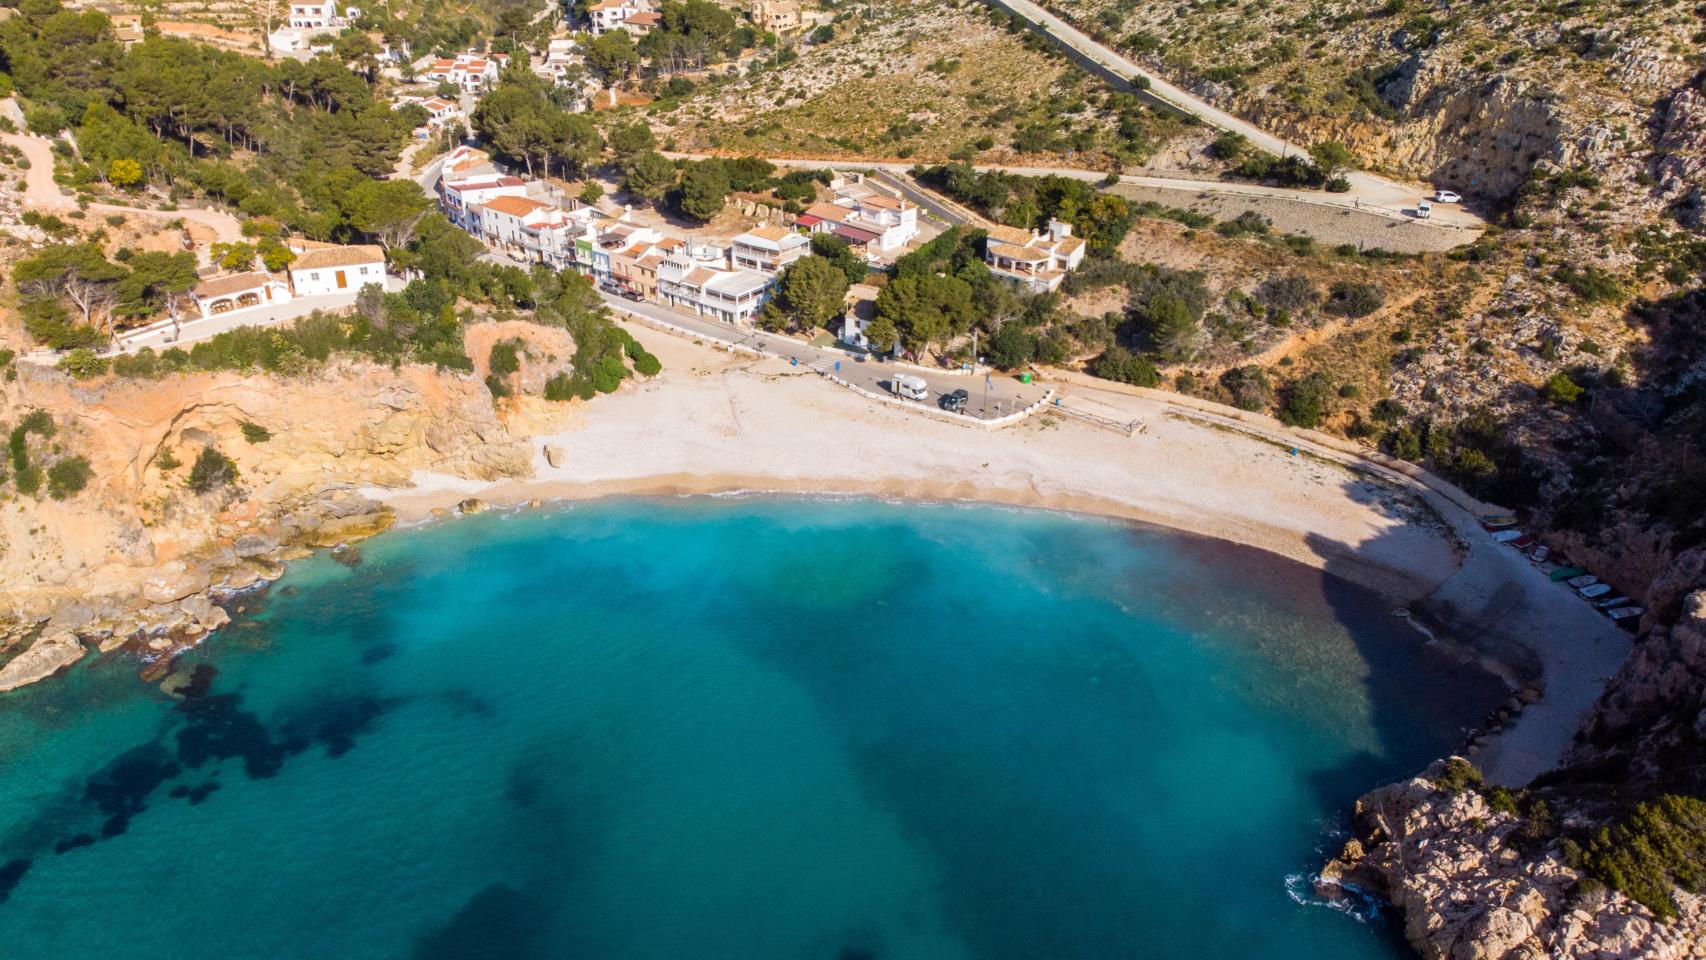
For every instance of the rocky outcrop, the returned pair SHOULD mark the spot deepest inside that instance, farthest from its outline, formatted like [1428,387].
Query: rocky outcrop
[43,659]
[1680,158]
[1470,889]
[1649,726]
[139,559]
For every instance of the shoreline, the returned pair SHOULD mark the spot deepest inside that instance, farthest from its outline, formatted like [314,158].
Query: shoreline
[433,499]
[715,424]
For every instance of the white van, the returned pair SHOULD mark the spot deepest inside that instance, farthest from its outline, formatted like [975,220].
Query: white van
[909,387]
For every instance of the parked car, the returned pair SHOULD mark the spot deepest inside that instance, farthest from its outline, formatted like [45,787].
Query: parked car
[609,287]
[633,295]
[955,401]
[1424,210]
[1446,196]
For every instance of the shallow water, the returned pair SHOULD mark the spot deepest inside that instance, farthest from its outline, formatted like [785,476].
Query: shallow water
[745,729]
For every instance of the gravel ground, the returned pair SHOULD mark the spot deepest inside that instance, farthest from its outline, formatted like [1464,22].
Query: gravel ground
[1328,225]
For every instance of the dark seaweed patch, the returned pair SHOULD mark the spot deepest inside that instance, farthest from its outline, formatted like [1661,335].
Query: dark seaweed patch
[498,923]
[378,652]
[10,873]
[121,788]
[335,724]
[72,843]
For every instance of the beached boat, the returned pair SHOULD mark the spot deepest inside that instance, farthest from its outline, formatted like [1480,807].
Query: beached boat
[1610,602]
[1565,573]
[1540,553]
[1497,523]
[1523,542]
[1585,580]
[1594,590]
[1506,536]
[1625,613]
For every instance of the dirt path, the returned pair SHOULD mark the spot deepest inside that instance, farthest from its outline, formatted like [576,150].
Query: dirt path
[42,192]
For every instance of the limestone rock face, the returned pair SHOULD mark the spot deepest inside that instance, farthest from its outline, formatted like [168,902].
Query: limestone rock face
[1450,863]
[43,659]
[136,555]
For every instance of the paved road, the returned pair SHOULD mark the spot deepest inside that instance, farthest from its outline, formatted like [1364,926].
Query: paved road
[40,191]
[1374,192]
[995,396]
[1396,201]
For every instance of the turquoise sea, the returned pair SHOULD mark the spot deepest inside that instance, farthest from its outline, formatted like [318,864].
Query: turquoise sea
[752,729]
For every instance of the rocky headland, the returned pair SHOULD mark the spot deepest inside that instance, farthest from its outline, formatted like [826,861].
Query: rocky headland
[142,560]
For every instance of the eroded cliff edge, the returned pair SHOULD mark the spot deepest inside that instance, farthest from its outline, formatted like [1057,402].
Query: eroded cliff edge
[139,557]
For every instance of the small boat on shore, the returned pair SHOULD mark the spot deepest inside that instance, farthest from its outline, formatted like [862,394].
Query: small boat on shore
[1497,523]
[1523,542]
[1540,553]
[1594,590]
[1506,536]
[1565,573]
[1585,580]
[1611,602]
[1620,614]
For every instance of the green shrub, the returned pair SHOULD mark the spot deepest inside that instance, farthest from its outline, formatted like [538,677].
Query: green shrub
[211,470]
[67,477]
[1458,776]
[1659,847]
[255,433]
[1561,389]
[1118,363]
[27,479]
[167,462]
[1306,401]
[82,363]
[505,358]
[647,365]
[1353,300]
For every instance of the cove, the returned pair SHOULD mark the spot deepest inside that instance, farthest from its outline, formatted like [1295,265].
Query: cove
[750,728]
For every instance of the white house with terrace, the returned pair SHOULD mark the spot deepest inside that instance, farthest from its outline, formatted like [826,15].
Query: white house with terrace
[880,224]
[239,291]
[638,17]
[1037,262]
[697,278]
[768,249]
[473,72]
[460,199]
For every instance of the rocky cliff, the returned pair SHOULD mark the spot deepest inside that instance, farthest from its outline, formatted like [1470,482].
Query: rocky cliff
[1499,876]
[137,557]
[1474,884]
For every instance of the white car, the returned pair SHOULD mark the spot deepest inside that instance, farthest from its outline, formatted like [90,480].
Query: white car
[1446,196]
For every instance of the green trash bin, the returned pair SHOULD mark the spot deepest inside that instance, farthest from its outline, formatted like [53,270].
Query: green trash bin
[1024,378]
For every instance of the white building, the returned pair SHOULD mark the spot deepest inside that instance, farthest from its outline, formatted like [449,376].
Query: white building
[473,72]
[1037,262]
[861,309]
[768,249]
[329,268]
[316,15]
[876,221]
[533,230]
[439,113]
[636,16]
[459,199]
[239,291]
[698,279]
